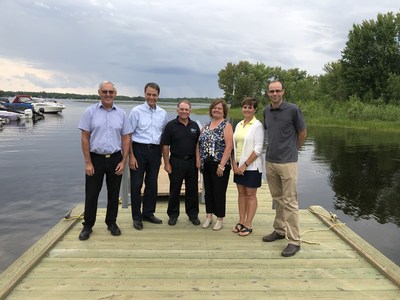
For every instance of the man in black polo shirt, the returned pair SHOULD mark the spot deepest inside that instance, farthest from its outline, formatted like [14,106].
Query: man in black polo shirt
[180,139]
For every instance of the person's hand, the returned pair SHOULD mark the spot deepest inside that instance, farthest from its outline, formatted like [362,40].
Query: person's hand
[240,170]
[119,170]
[220,171]
[133,164]
[167,168]
[89,169]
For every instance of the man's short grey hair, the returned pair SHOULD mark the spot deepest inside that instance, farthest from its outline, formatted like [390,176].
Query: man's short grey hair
[107,82]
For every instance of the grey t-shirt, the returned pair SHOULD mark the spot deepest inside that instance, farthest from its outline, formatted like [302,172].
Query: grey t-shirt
[282,125]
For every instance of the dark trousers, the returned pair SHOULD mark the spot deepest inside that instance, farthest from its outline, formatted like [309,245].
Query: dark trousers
[149,160]
[183,170]
[215,189]
[93,184]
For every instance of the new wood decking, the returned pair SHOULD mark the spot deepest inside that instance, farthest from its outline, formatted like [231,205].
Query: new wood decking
[188,262]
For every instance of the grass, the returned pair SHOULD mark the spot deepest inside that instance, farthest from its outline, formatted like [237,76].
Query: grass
[346,115]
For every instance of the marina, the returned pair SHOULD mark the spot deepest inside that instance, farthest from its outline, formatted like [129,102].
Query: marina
[186,261]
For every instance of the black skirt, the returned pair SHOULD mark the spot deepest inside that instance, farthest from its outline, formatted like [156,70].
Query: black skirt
[250,179]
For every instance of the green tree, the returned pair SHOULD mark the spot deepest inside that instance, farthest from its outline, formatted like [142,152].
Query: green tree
[393,88]
[227,81]
[331,86]
[371,54]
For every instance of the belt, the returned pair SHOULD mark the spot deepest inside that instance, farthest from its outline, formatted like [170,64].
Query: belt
[148,146]
[106,155]
[184,157]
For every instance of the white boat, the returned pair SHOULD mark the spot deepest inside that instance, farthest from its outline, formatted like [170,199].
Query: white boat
[48,105]
[40,104]
[12,116]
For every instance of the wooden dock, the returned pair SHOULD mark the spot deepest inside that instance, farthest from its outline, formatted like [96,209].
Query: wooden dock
[188,262]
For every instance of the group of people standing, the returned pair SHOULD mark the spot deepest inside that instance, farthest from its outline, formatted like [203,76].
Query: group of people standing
[111,138]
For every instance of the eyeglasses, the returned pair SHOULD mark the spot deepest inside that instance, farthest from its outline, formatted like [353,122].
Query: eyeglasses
[105,92]
[274,91]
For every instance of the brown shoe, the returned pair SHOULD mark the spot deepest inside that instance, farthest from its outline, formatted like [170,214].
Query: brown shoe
[273,237]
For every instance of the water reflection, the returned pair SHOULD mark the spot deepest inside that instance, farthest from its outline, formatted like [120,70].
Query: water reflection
[364,171]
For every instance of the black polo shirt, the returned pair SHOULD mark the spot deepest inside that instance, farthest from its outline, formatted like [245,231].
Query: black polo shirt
[282,125]
[181,139]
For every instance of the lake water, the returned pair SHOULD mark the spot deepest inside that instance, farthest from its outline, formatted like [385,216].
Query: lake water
[353,174]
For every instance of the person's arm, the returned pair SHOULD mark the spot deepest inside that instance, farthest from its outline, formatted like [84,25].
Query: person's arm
[133,119]
[126,139]
[233,160]
[228,138]
[198,162]
[301,137]
[165,154]
[132,159]
[258,138]
[85,139]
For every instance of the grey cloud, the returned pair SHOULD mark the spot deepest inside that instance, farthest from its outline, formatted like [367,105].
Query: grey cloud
[180,44]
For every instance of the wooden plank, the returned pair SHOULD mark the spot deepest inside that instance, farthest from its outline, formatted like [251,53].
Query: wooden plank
[202,254]
[243,263]
[16,271]
[199,294]
[185,271]
[154,283]
[376,258]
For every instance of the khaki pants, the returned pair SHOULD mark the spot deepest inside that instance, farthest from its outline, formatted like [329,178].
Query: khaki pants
[282,181]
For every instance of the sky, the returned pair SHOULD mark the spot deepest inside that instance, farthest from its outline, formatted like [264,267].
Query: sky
[70,46]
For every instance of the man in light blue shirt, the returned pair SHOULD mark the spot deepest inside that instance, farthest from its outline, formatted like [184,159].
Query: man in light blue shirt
[147,121]
[105,146]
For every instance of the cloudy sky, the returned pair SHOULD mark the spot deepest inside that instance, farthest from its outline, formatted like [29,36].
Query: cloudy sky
[71,45]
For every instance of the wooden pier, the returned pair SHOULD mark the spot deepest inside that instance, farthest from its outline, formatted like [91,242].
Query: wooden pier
[188,262]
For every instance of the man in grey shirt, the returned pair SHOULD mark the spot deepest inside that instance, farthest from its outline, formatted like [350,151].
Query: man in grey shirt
[286,131]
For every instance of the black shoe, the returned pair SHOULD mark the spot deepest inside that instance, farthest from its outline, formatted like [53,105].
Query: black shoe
[114,229]
[290,250]
[137,224]
[195,221]
[85,233]
[172,221]
[273,237]
[152,219]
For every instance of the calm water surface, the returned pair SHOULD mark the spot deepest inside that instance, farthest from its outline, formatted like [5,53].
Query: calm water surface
[354,174]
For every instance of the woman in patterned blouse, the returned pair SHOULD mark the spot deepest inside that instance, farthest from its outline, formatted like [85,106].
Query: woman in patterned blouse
[215,146]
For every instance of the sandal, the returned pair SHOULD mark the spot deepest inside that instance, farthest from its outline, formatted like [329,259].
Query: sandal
[238,227]
[245,231]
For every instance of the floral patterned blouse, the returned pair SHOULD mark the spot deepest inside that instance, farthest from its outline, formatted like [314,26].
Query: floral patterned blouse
[212,143]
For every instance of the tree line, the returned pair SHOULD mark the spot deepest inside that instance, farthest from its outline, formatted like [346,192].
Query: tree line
[368,71]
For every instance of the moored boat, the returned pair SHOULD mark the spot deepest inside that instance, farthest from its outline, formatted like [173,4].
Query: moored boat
[12,116]
[40,104]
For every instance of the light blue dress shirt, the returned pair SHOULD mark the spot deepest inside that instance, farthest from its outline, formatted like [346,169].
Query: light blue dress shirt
[106,128]
[147,123]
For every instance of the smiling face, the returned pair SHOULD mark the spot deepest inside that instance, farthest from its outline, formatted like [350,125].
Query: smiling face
[218,109]
[151,95]
[217,112]
[248,111]
[107,93]
[275,93]
[183,111]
